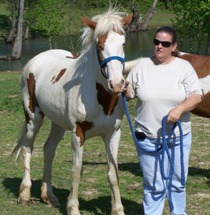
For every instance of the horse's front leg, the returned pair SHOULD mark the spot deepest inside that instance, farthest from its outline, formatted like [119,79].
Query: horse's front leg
[112,146]
[54,138]
[77,153]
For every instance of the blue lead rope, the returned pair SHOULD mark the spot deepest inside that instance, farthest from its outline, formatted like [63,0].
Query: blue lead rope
[166,140]
[163,147]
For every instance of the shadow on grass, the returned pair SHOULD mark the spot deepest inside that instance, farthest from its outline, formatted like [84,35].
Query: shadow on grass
[193,171]
[133,168]
[93,206]
[130,167]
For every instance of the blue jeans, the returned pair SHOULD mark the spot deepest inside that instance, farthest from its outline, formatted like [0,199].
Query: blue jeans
[156,188]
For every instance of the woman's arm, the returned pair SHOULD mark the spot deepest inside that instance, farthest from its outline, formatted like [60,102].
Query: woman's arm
[189,104]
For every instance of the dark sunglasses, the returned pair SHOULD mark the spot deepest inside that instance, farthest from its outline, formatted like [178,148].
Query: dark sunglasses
[163,43]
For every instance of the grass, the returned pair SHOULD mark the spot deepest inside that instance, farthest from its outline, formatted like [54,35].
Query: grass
[94,195]
[160,18]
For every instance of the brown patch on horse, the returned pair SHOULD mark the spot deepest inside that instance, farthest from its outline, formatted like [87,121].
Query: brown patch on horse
[100,46]
[58,77]
[33,103]
[201,64]
[31,90]
[81,128]
[203,108]
[26,115]
[106,99]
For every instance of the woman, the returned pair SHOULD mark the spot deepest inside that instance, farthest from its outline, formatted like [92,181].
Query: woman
[164,85]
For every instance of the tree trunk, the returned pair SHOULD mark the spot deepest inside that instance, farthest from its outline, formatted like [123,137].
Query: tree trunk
[11,35]
[26,36]
[149,16]
[17,48]
[134,25]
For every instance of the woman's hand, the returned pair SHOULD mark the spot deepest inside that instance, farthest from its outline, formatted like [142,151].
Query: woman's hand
[189,104]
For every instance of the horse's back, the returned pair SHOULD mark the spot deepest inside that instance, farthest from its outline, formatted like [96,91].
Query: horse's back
[200,63]
[48,59]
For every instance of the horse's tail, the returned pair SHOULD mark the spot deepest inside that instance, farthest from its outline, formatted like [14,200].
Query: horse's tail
[19,142]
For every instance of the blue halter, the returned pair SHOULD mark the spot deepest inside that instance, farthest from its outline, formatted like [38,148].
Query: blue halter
[108,59]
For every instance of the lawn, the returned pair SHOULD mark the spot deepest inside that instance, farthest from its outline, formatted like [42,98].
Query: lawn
[94,195]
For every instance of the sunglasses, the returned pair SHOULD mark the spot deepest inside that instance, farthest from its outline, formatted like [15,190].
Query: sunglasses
[163,43]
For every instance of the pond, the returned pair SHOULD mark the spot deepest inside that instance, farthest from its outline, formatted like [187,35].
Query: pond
[138,44]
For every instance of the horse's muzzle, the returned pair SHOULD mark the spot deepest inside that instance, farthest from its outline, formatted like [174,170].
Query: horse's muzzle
[117,88]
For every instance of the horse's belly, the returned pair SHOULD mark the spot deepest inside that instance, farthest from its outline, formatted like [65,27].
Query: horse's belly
[54,108]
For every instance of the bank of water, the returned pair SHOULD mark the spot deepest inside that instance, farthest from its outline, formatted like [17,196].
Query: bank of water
[138,45]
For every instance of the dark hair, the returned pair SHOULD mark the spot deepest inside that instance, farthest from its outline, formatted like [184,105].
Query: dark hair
[168,30]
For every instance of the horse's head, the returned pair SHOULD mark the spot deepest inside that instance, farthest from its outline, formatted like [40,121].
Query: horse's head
[109,36]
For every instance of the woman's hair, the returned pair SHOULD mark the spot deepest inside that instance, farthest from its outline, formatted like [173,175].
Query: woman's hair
[168,30]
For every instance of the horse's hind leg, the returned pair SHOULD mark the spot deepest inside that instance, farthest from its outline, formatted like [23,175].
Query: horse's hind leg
[54,138]
[25,143]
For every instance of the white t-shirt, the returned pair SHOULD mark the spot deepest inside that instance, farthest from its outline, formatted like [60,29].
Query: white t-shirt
[160,88]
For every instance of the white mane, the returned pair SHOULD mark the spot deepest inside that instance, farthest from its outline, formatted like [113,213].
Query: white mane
[111,20]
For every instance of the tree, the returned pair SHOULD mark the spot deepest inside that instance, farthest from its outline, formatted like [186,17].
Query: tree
[192,20]
[47,17]
[17,47]
[149,15]
[139,23]
[13,7]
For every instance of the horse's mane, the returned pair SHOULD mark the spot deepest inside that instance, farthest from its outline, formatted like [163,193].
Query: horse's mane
[111,20]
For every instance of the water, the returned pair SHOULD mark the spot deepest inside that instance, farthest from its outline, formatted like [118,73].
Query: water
[138,45]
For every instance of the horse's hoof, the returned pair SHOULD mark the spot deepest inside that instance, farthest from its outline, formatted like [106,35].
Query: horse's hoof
[73,212]
[54,203]
[22,201]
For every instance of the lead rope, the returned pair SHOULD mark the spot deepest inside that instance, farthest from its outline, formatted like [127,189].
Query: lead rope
[163,147]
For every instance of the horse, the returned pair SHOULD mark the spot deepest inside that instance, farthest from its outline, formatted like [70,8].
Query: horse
[201,64]
[80,94]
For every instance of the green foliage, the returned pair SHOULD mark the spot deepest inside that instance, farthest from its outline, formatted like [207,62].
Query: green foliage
[47,17]
[192,19]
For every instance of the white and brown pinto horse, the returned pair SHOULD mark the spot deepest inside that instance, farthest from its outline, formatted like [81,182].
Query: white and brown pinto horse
[201,64]
[78,94]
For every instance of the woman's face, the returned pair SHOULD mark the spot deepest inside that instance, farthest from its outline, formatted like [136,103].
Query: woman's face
[162,51]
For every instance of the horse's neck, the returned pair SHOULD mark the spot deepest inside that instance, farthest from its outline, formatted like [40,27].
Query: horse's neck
[91,67]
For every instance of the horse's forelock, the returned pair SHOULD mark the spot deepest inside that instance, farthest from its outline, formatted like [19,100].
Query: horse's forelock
[111,20]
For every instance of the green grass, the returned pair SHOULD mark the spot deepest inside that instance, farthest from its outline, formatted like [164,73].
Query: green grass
[160,18]
[94,195]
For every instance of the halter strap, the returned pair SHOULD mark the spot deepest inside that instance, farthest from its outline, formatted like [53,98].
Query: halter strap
[108,59]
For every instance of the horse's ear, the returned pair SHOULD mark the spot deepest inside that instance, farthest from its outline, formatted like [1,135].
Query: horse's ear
[127,19]
[90,23]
